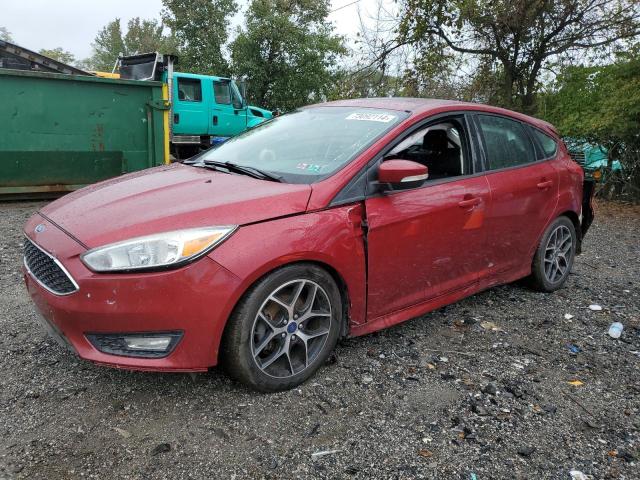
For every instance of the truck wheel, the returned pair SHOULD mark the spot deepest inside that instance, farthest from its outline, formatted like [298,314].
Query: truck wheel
[554,257]
[283,329]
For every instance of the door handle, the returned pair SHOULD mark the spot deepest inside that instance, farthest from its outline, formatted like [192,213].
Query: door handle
[176,118]
[544,184]
[469,202]
[215,120]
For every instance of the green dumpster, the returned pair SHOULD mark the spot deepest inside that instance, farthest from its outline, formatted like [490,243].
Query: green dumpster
[60,132]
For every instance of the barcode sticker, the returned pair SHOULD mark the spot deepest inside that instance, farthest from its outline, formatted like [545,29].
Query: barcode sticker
[372,117]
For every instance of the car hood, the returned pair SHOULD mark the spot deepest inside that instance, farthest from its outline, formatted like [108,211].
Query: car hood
[168,198]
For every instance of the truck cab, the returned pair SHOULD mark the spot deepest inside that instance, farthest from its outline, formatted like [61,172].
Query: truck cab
[204,109]
[211,106]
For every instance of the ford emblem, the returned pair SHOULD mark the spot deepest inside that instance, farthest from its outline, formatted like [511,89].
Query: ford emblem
[40,228]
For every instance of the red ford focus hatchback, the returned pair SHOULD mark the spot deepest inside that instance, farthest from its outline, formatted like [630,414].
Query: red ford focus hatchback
[338,219]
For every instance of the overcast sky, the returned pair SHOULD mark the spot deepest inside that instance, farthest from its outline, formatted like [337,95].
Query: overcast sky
[73,24]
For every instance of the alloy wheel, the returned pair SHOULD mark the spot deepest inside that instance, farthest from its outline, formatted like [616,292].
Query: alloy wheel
[291,328]
[557,255]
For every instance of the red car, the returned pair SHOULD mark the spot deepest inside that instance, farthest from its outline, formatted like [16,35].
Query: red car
[336,220]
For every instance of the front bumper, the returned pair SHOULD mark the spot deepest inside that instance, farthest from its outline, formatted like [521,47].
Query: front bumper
[196,300]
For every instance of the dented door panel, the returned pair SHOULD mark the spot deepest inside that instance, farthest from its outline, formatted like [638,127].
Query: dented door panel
[424,243]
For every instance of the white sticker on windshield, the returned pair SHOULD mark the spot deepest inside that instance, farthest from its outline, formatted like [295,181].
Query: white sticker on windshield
[372,117]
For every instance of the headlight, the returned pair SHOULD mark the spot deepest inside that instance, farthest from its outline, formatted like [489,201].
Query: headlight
[156,251]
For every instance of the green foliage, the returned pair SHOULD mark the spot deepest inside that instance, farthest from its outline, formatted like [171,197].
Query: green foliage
[59,54]
[602,104]
[287,51]
[598,102]
[201,28]
[517,38]
[107,45]
[143,36]
[5,34]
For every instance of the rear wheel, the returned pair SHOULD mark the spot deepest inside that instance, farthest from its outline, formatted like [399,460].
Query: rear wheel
[554,257]
[283,329]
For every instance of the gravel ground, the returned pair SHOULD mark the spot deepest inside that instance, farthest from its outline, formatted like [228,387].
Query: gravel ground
[477,388]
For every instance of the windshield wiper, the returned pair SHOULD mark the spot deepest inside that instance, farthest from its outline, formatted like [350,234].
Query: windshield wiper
[245,170]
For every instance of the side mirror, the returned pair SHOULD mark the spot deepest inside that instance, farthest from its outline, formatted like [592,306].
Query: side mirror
[395,174]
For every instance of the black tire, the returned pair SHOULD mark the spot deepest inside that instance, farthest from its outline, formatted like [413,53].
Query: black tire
[542,264]
[239,339]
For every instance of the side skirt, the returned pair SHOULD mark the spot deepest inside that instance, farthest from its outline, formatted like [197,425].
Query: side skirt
[413,311]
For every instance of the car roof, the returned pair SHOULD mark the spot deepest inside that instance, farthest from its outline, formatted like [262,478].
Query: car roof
[419,106]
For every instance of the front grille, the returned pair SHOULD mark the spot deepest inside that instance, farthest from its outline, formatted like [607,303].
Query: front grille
[46,271]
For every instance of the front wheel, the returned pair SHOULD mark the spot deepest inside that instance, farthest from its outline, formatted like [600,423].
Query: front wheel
[554,257]
[283,329]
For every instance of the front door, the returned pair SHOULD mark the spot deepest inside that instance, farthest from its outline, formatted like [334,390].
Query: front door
[229,114]
[425,242]
[190,109]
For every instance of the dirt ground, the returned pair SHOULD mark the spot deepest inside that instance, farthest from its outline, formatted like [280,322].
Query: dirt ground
[501,385]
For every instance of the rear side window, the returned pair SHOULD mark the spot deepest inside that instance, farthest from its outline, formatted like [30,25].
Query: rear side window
[221,92]
[506,142]
[548,144]
[189,90]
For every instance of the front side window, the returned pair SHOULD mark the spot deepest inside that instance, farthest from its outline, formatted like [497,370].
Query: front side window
[221,92]
[189,90]
[236,98]
[307,145]
[506,142]
[439,147]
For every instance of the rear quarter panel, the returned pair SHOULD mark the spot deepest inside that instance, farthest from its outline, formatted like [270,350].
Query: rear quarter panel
[571,178]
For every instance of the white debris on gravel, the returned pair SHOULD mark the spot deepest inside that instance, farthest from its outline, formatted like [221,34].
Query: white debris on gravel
[323,453]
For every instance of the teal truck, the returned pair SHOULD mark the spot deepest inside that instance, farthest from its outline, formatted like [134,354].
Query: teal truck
[64,128]
[593,158]
[205,109]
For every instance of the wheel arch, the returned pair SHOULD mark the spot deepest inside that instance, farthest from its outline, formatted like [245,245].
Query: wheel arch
[573,216]
[263,272]
[343,288]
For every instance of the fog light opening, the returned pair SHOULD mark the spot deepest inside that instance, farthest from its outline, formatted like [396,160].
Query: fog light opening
[145,344]
[156,344]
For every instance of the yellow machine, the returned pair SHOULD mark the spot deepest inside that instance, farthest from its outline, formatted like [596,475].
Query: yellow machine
[106,74]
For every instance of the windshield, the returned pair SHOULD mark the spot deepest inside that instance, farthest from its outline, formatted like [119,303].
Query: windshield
[307,145]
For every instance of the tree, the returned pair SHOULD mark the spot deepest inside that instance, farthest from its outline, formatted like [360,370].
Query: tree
[601,104]
[201,28]
[5,34]
[143,36]
[519,38]
[59,54]
[107,46]
[368,82]
[386,66]
[287,51]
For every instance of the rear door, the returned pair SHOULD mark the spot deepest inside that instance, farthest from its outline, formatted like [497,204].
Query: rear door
[190,109]
[229,114]
[524,193]
[425,242]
